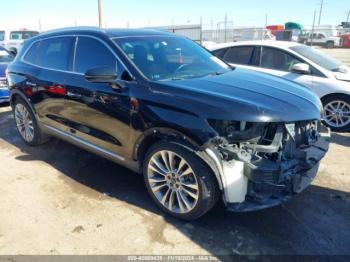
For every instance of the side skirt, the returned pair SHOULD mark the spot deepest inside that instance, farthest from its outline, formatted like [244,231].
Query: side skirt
[130,164]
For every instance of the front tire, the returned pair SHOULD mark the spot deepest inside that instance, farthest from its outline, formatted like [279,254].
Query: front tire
[337,112]
[179,182]
[27,124]
[330,45]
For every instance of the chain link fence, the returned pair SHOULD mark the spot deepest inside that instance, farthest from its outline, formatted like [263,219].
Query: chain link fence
[327,36]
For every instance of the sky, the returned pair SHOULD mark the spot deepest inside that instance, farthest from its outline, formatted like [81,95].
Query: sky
[46,14]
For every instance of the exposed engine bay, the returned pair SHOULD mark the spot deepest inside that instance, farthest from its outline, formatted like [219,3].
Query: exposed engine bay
[278,159]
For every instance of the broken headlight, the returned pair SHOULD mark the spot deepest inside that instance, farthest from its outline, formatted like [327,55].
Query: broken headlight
[238,131]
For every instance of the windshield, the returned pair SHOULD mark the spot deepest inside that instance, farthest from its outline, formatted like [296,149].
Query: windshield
[170,58]
[22,35]
[318,57]
[5,57]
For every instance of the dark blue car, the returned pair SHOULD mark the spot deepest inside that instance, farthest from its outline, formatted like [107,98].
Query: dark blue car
[5,58]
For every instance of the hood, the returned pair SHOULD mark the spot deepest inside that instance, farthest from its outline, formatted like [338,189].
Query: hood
[245,95]
[3,67]
[342,76]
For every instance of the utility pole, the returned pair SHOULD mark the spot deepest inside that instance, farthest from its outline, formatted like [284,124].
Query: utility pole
[266,17]
[225,28]
[99,13]
[39,23]
[201,32]
[321,10]
[313,28]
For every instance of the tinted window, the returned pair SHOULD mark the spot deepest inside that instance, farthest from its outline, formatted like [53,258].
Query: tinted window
[2,35]
[31,53]
[277,59]
[92,53]
[241,55]
[220,52]
[55,53]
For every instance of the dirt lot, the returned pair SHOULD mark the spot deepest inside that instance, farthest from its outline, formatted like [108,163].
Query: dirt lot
[58,199]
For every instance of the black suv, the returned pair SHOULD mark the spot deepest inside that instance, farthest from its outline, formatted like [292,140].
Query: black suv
[159,104]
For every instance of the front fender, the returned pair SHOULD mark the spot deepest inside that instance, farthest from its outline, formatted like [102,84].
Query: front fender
[173,136]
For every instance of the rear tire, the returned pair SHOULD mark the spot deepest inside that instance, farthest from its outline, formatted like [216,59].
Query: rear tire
[179,182]
[337,112]
[27,124]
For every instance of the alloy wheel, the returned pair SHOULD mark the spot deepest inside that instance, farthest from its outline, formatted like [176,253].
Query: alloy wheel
[173,182]
[24,123]
[337,113]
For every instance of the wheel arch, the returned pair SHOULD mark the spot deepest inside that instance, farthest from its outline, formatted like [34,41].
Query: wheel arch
[179,138]
[15,94]
[325,97]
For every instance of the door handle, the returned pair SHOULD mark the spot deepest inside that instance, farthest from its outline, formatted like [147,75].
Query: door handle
[74,95]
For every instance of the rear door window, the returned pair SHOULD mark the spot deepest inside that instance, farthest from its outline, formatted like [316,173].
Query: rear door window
[55,53]
[91,53]
[241,55]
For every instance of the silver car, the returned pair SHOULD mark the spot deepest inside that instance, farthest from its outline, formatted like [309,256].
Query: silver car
[324,75]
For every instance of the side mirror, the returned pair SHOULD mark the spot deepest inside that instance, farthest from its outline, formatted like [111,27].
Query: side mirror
[301,68]
[104,74]
[13,51]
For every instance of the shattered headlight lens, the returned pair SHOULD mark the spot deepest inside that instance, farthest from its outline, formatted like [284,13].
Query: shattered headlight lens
[238,131]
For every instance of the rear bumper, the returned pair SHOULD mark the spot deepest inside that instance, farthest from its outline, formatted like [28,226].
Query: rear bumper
[271,183]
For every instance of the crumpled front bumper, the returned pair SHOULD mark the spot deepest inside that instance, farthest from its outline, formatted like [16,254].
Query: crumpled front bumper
[271,183]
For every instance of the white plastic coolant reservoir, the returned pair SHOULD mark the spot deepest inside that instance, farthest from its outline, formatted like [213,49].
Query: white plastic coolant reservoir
[235,182]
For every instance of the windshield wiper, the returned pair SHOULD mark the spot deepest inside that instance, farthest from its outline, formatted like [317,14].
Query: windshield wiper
[175,78]
[217,73]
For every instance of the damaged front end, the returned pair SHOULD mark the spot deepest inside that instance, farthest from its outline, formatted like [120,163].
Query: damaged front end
[265,164]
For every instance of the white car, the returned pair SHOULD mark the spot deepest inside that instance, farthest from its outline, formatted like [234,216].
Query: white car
[321,39]
[324,75]
[12,40]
